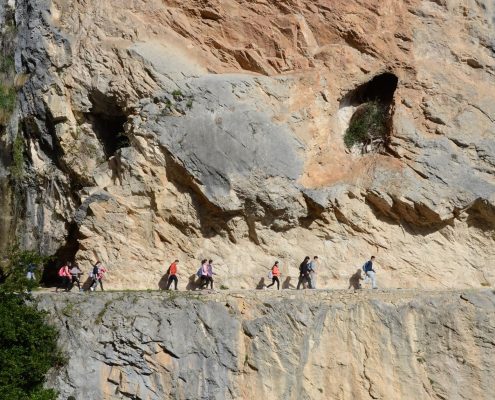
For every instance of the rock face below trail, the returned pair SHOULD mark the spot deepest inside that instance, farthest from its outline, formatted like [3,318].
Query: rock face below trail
[276,345]
[156,130]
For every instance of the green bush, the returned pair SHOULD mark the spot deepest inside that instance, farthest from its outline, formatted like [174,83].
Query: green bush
[7,65]
[28,346]
[176,94]
[13,272]
[28,349]
[7,102]
[17,167]
[368,122]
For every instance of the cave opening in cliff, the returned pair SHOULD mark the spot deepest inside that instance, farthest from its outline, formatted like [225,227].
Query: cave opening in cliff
[107,119]
[369,109]
[381,89]
[66,252]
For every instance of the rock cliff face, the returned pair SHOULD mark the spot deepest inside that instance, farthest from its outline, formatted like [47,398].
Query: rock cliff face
[316,345]
[157,130]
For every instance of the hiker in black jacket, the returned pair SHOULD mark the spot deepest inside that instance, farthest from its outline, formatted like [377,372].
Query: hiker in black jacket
[304,273]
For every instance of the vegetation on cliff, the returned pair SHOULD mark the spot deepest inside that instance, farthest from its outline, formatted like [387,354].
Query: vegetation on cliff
[7,67]
[368,123]
[28,345]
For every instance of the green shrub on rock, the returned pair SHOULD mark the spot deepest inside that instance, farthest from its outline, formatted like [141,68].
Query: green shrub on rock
[28,349]
[28,345]
[368,122]
[7,102]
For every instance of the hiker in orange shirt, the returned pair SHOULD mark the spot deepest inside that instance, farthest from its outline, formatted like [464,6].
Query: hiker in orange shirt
[275,273]
[172,275]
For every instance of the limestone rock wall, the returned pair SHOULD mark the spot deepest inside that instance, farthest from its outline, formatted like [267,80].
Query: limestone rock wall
[312,345]
[158,130]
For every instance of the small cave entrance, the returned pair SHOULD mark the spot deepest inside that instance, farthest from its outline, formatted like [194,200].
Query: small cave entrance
[107,119]
[65,253]
[369,124]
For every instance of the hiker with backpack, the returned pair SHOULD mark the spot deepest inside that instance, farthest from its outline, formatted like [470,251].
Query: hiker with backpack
[98,274]
[172,275]
[274,275]
[75,274]
[202,273]
[65,277]
[304,273]
[369,272]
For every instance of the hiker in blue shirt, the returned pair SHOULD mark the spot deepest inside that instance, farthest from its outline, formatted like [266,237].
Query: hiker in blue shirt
[312,271]
[369,272]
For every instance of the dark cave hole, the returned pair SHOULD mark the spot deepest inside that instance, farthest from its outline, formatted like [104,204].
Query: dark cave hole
[370,124]
[107,119]
[65,253]
[380,89]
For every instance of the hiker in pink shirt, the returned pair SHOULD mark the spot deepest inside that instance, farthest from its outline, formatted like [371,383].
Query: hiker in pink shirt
[65,277]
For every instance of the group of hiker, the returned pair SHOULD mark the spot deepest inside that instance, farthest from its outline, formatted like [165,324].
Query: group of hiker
[70,275]
[205,274]
[307,274]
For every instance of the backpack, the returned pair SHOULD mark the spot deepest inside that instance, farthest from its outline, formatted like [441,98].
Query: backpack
[61,271]
[364,267]
[200,272]
[270,275]
[303,268]
[94,273]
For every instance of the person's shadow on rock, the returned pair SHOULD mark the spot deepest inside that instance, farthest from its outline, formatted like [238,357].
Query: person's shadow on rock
[87,284]
[162,283]
[287,285]
[261,284]
[354,280]
[193,283]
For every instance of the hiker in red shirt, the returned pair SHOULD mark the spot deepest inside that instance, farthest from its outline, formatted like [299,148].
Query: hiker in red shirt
[275,273]
[172,275]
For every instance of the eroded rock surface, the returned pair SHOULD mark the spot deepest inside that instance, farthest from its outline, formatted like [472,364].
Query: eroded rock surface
[287,345]
[158,130]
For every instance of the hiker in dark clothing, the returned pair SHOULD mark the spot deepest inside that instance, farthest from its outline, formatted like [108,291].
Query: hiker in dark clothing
[172,277]
[98,274]
[304,274]
[203,274]
[275,274]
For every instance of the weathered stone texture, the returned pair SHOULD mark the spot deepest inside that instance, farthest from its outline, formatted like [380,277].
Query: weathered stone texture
[188,129]
[312,345]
